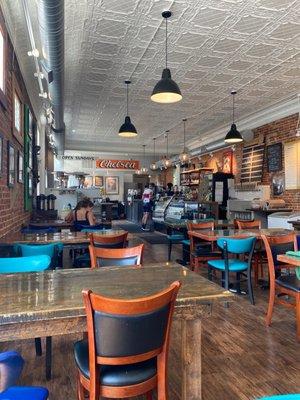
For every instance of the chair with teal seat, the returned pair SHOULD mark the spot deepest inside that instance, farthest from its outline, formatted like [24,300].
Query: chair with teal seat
[174,238]
[295,396]
[11,365]
[36,263]
[53,250]
[241,267]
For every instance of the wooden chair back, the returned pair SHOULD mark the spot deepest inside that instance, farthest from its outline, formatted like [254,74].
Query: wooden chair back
[131,330]
[110,241]
[197,226]
[101,257]
[274,246]
[255,224]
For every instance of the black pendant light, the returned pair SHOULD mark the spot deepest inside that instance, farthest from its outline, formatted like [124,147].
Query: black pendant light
[153,165]
[127,130]
[233,136]
[144,169]
[166,90]
[167,162]
[184,156]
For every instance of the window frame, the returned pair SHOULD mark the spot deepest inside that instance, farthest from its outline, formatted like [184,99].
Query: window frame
[3,96]
[19,135]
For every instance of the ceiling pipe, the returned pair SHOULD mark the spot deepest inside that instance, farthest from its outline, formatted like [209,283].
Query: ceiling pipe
[51,25]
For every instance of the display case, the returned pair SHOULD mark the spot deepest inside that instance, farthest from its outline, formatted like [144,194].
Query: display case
[176,209]
[160,208]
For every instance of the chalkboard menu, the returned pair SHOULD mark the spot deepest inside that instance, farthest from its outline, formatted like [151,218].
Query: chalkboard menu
[274,157]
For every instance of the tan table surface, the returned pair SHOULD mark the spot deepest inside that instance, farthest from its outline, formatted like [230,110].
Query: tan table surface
[213,235]
[50,303]
[71,238]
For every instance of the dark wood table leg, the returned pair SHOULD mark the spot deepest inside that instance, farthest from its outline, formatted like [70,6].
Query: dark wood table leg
[48,357]
[191,359]
[38,346]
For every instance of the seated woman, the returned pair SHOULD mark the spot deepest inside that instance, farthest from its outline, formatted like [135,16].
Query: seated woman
[82,215]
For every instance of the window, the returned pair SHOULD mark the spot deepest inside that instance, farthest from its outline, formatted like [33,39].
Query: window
[1,61]
[17,113]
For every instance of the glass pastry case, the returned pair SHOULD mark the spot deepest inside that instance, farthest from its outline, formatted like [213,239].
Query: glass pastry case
[160,208]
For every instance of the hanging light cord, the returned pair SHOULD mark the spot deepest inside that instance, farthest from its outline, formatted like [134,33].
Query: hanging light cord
[166,42]
[144,146]
[233,107]
[127,108]
[154,148]
[183,135]
[167,144]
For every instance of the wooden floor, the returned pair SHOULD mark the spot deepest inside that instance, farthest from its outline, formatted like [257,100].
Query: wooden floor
[242,359]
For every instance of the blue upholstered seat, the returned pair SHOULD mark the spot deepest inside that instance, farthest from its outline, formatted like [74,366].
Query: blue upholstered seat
[11,365]
[176,237]
[39,230]
[186,242]
[53,250]
[289,282]
[115,375]
[234,265]
[24,264]
[282,397]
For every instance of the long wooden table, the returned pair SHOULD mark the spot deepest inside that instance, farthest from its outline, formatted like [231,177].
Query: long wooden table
[213,235]
[50,303]
[69,239]
[61,224]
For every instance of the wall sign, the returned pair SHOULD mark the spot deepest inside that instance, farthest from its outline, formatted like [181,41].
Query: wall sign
[118,164]
[252,163]
[274,157]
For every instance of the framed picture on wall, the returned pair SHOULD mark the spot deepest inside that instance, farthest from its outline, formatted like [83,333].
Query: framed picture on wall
[227,162]
[1,154]
[30,124]
[20,170]
[98,181]
[111,185]
[11,172]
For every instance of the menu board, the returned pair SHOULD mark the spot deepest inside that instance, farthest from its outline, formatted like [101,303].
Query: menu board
[252,163]
[292,165]
[274,157]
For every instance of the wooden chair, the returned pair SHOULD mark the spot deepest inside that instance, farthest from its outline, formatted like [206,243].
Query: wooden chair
[101,257]
[259,256]
[110,241]
[131,346]
[282,284]
[201,252]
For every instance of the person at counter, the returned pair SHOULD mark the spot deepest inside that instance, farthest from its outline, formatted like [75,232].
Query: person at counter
[82,214]
[147,198]
[170,191]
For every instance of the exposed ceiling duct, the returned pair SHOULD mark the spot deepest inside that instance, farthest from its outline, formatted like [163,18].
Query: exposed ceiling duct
[51,25]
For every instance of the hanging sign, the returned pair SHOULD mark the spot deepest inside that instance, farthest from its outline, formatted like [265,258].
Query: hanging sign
[118,164]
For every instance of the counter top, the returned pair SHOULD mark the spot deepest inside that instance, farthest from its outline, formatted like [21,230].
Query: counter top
[269,211]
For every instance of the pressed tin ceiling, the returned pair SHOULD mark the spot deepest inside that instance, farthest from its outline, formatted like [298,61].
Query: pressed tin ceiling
[214,45]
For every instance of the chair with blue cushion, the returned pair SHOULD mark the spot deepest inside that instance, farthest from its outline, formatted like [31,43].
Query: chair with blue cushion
[282,397]
[282,285]
[241,267]
[174,238]
[130,340]
[11,365]
[36,263]
[53,250]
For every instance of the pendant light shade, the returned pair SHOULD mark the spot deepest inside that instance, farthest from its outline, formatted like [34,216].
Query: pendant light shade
[153,165]
[144,169]
[166,90]
[127,130]
[233,136]
[184,156]
[166,161]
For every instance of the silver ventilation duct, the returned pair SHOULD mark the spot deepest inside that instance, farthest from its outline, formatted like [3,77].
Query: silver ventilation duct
[51,24]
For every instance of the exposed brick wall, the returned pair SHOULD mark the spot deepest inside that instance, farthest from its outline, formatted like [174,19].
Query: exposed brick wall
[12,214]
[282,130]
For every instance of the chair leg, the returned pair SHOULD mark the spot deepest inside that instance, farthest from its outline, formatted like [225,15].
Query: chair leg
[80,389]
[48,357]
[38,347]
[169,250]
[149,395]
[250,289]
[270,306]
[238,283]
[298,316]
[209,273]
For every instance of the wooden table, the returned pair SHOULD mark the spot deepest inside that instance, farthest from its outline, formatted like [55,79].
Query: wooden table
[213,235]
[292,260]
[50,303]
[182,223]
[69,239]
[60,224]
